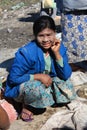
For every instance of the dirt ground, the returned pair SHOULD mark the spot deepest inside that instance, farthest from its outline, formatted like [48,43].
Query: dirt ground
[15,31]
[16,25]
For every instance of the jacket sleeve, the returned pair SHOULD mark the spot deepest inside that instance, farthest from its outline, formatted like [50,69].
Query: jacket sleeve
[65,71]
[20,69]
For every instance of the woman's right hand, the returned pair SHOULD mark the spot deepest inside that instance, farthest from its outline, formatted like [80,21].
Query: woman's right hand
[44,78]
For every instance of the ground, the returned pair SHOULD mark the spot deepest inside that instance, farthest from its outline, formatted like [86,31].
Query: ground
[16,30]
[16,25]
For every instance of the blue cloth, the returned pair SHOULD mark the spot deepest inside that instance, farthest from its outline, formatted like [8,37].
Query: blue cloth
[70,5]
[74,36]
[29,60]
[59,6]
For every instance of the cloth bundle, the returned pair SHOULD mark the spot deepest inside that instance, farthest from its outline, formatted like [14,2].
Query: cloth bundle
[48,4]
[74,118]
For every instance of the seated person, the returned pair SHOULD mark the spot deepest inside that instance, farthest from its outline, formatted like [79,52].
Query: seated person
[40,74]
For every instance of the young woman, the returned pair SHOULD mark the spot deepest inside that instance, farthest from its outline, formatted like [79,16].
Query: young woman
[39,76]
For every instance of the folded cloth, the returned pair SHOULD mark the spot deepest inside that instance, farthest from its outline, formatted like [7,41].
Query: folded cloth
[11,112]
[74,118]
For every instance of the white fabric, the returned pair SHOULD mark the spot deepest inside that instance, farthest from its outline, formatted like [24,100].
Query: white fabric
[78,78]
[47,3]
[74,118]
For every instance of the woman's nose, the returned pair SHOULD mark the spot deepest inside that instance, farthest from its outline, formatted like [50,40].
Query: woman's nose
[45,39]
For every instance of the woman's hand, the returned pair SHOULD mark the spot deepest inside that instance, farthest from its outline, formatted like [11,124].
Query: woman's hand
[55,48]
[44,78]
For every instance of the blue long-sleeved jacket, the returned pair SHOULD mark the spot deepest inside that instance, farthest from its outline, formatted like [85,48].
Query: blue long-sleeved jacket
[28,60]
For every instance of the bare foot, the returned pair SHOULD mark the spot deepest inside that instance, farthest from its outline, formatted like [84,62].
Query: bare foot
[26,115]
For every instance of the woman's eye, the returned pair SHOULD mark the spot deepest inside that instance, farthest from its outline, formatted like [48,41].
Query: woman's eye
[48,35]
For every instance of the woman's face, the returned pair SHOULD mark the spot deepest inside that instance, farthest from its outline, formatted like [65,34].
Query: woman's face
[46,38]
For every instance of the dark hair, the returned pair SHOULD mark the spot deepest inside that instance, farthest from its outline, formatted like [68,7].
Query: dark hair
[43,22]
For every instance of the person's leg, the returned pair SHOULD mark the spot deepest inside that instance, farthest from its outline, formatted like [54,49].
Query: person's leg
[34,94]
[10,110]
[4,120]
[59,4]
[64,91]
[55,15]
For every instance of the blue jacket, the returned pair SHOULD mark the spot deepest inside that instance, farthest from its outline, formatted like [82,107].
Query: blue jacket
[29,59]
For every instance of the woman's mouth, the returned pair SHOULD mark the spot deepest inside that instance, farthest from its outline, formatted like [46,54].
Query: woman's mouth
[46,44]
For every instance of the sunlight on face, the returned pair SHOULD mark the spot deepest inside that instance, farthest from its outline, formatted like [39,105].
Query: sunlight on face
[46,38]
